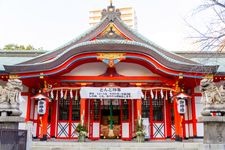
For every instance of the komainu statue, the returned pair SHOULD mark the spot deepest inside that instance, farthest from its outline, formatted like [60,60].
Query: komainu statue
[213,98]
[10,98]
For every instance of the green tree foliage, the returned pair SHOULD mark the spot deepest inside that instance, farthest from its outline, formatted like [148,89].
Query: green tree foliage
[20,47]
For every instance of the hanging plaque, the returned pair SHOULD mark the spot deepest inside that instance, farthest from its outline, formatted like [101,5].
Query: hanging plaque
[111,93]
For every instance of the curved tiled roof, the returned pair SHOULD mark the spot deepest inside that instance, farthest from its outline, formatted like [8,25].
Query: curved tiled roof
[109,46]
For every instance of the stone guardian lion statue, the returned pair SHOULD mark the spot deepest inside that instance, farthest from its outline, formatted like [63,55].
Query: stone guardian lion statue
[9,98]
[213,98]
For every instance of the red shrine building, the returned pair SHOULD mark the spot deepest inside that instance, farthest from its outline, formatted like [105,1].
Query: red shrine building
[111,75]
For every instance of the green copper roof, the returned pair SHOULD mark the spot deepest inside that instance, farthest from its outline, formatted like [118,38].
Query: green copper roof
[212,61]
[12,61]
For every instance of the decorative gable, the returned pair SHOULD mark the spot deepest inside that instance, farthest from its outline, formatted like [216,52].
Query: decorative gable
[112,32]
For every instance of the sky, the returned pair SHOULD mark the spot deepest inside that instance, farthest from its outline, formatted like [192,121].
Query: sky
[52,23]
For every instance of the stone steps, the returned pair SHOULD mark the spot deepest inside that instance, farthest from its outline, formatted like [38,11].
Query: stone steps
[114,145]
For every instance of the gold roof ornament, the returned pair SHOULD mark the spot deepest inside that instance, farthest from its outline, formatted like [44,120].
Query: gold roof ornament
[111,58]
[13,76]
[208,76]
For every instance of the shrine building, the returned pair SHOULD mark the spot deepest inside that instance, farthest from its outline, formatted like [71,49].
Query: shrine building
[107,78]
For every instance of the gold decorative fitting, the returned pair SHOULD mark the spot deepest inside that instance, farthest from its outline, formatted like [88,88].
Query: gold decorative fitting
[13,76]
[209,76]
[181,76]
[138,84]
[41,75]
[83,84]
[111,30]
[110,56]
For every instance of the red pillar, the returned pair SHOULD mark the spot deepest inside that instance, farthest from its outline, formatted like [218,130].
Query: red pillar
[82,110]
[44,123]
[28,108]
[168,118]
[194,120]
[53,118]
[178,119]
[139,107]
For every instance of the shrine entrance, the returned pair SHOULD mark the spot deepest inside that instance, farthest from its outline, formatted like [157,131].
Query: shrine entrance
[111,112]
[110,119]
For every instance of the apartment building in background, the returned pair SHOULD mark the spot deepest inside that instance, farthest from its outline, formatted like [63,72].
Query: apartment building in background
[128,16]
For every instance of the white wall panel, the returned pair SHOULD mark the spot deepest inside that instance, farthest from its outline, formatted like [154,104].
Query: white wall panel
[88,69]
[187,130]
[23,108]
[200,130]
[125,130]
[96,132]
[191,129]
[199,107]
[131,69]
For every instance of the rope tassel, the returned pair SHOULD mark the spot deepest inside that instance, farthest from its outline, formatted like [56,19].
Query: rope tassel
[152,94]
[145,96]
[161,94]
[61,93]
[57,95]
[51,94]
[65,95]
[76,95]
[71,94]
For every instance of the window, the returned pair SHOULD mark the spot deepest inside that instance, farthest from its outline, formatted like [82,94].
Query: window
[157,105]
[64,109]
[146,107]
[76,110]
[125,110]
[95,109]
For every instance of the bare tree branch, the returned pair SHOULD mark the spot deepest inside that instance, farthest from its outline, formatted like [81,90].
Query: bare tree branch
[213,38]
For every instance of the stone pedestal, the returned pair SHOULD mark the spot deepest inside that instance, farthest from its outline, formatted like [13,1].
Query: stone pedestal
[10,122]
[10,134]
[214,129]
